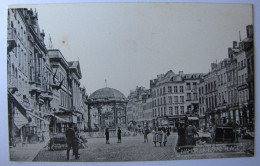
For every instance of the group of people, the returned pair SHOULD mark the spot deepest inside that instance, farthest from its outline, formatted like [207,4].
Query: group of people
[160,136]
[73,141]
[119,133]
[186,138]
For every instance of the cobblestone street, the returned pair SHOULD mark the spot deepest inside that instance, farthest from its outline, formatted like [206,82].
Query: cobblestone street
[131,149]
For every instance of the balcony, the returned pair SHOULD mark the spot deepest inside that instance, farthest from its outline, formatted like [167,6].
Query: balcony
[11,39]
[35,87]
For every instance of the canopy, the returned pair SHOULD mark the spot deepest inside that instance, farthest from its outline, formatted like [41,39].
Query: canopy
[19,119]
[193,118]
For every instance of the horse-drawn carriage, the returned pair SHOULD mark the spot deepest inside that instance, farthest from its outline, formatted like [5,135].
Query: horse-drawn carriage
[59,142]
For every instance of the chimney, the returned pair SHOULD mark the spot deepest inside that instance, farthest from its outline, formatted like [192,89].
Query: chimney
[249,31]
[230,53]
[234,44]
[181,73]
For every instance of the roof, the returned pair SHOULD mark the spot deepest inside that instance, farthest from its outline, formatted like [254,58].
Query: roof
[107,93]
[75,65]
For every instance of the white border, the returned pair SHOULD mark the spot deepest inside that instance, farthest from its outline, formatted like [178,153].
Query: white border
[4,152]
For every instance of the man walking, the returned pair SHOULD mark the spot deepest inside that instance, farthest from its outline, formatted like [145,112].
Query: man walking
[119,135]
[70,136]
[107,135]
[76,142]
[146,132]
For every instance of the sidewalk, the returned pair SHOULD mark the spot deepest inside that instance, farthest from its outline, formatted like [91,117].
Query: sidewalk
[26,152]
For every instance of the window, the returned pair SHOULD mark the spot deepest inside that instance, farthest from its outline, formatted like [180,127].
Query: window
[182,99]
[176,110]
[170,99]
[195,97]
[194,85]
[182,109]
[188,96]
[163,90]
[170,110]
[175,99]
[169,89]
[188,86]
[164,109]
[175,89]
[181,89]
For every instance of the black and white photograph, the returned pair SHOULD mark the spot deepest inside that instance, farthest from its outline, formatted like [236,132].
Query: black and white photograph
[132,81]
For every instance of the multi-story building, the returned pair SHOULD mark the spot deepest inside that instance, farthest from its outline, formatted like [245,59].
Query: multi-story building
[135,107]
[147,109]
[175,96]
[29,90]
[40,82]
[68,97]
[248,47]
[221,106]
[232,103]
[242,87]
[202,104]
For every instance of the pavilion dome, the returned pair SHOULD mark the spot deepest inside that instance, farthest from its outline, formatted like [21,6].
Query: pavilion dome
[107,93]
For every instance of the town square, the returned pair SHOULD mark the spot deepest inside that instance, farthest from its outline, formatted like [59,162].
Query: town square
[130,82]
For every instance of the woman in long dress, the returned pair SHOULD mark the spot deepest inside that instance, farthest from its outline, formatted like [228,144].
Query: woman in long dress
[164,137]
[159,136]
[154,132]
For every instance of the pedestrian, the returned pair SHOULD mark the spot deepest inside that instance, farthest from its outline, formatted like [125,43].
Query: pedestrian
[181,137]
[164,138]
[70,135]
[76,143]
[154,132]
[159,136]
[213,133]
[146,132]
[168,131]
[189,136]
[107,135]
[119,135]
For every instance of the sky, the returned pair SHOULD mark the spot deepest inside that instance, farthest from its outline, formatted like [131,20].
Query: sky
[129,44]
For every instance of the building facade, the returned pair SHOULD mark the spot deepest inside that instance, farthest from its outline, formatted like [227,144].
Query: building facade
[28,72]
[42,96]
[175,97]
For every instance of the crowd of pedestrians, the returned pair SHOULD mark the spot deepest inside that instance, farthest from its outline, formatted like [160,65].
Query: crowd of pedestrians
[159,137]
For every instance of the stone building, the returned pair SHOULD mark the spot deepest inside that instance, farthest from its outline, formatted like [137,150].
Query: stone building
[229,92]
[222,93]
[44,93]
[28,74]
[175,97]
[107,109]
[248,46]
[139,108]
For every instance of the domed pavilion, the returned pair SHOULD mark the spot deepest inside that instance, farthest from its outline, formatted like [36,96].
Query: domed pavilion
[107,108]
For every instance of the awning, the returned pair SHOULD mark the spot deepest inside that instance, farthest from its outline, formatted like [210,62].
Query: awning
[45,121]
[19,119]
[193,118]
[60,119]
